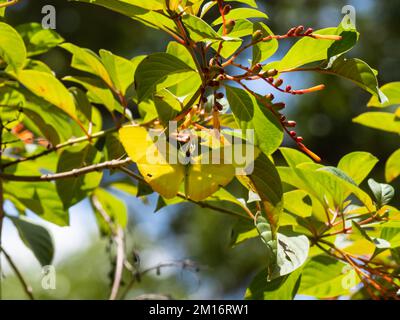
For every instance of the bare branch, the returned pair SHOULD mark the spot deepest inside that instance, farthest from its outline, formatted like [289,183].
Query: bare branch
[118,237]
[27,288]
[60,146]
[8,4]
[68,174]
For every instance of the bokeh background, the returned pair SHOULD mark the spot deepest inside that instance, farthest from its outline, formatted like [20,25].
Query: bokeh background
[186,232]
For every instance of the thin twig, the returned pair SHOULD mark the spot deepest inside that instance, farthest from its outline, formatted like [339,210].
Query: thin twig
[185,265]
[61,146]
[113,164]
[8,4]
[27,288]
[118,237]
[182,196]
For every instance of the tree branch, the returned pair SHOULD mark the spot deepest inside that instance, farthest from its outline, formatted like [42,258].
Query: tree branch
[113,164]
[61,146]
[8,4]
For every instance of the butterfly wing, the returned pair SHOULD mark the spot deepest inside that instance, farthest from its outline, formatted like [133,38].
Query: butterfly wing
[163,177]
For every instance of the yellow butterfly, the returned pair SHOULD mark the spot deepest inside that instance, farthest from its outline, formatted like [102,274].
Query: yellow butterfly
[203,175]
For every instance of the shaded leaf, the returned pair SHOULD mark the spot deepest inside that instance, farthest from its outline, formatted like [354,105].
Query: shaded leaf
[36,238]
[383,193]
[37,39]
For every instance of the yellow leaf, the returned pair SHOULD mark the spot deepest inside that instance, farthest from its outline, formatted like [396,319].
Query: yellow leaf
[200,179]
[49,88]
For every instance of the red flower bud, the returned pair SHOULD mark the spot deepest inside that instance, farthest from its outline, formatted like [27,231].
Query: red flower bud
[278,83]
[227,9]
[257,35]
[291,124]
[291,32]
[299,30]
[256,68]
[230,25]
[279,106]
[270,73]
[269,97]
[309,31]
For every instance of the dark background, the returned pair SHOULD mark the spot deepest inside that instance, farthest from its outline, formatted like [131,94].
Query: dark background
[325,121]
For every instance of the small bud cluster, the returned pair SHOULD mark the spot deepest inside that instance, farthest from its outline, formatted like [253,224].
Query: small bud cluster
[299,32]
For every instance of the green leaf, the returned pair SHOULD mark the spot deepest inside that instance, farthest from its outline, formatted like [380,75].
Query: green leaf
[390,232]
[391,91]
[265,49]
[88,115]
[51,123]
[75,189]
[49,88]
[38,40]
[292,254]
[383,193]
[113,207]
[251,3]
[159,71]
[87,61]
[392,170]
[37,65]
[380,244]
[121,70]
[97,92]
[327,187]
[349,36]
[308,50]
[384,121]
[199,30]
[181,52]
[148,4]
[12,47]
[251,115]
[294,157]
[36,238]
[168,106]
[267,235]
[184,90]
[39,197]
[358,165]
[2,10]
[283,288]
[295,203]
[265,181]
[241,13]
[242,28]
[325,277]
[356,71]
[140,10]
